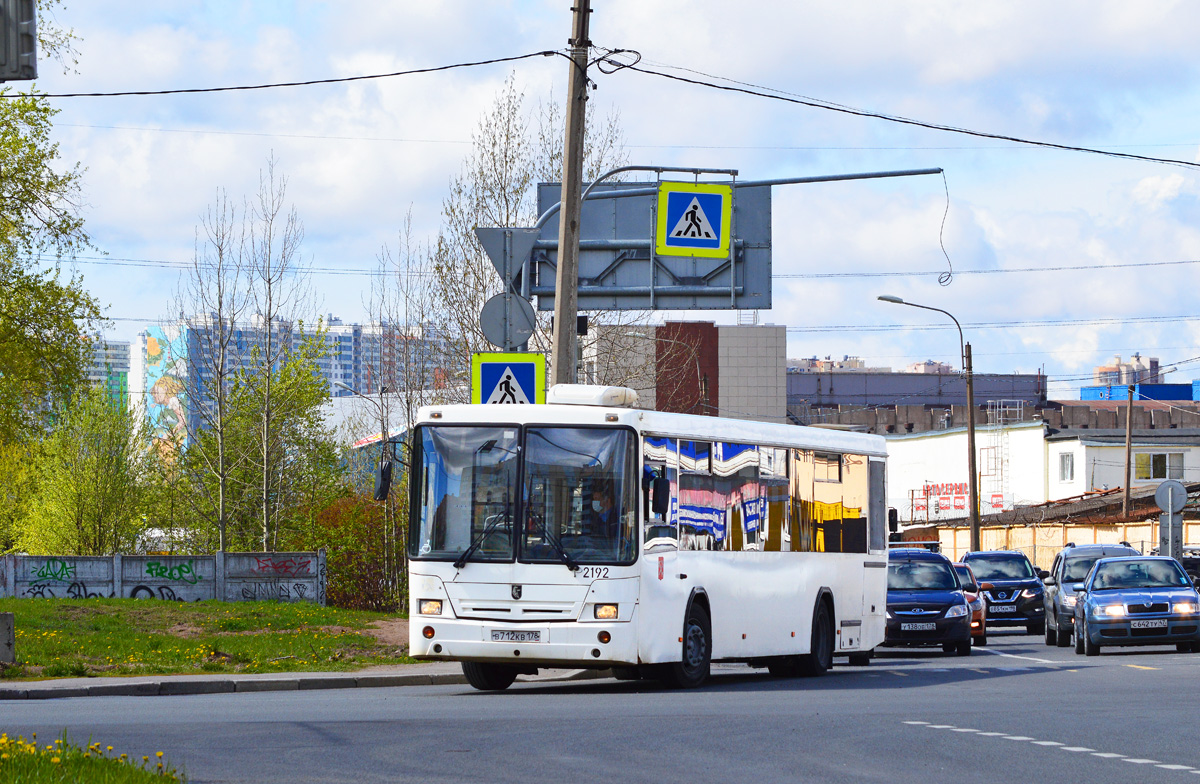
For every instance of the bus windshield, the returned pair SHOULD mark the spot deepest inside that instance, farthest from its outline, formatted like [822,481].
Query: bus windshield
[578,503]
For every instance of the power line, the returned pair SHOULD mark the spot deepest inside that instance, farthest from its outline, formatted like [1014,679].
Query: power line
[833,107]
[306,83]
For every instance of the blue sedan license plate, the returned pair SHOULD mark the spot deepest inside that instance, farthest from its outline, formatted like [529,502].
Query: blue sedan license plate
[1148,623]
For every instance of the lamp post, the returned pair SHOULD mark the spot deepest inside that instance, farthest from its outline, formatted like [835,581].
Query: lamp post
[972,478]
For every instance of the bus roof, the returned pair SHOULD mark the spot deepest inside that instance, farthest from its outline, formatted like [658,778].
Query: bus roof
[707,428]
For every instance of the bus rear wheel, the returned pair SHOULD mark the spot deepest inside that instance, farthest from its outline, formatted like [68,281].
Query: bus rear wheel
[819,658]
[696,660]
[489,677]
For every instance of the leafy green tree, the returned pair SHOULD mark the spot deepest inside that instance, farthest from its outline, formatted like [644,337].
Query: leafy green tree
[90,482]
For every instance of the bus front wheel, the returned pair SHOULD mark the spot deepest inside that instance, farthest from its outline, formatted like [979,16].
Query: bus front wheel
[820,652]
[489,677]
[692,670]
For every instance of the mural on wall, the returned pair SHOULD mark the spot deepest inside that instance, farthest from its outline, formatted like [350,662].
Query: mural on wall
[166,374]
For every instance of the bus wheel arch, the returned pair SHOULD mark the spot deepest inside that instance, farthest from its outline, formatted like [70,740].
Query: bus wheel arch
[696,645]
[819,658]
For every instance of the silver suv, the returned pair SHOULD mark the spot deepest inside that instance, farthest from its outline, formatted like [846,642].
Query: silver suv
[1071,566]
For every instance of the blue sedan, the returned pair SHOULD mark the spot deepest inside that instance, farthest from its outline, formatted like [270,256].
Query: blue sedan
[1141,600]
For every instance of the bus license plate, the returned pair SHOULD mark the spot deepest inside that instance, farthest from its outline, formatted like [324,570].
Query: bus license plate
[917,627]
[505,635]
[1149,623]
[1002,608]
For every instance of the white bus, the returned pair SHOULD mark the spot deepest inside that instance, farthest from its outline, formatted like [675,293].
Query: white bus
[588,534]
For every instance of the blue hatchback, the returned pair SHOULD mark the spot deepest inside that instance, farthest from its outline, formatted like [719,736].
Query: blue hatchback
[1142,600]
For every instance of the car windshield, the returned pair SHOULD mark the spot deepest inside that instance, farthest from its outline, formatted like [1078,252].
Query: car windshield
[1076,569]
[1139,574]
[921,576]
[965,578]
[580,495]
[1000,567]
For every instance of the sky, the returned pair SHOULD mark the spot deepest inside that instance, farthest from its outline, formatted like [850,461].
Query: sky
[1060,259]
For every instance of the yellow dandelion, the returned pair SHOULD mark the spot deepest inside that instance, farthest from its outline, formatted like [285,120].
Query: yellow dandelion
[158,754]
[55,760]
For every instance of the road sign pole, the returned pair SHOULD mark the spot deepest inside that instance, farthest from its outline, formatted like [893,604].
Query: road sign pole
[566,299]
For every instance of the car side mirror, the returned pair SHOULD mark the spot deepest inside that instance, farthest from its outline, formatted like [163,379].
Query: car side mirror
[1049,580]
[1042,574]
[985,586]
[1078,588]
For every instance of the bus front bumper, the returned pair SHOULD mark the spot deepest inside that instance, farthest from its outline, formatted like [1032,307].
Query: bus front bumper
[563,644]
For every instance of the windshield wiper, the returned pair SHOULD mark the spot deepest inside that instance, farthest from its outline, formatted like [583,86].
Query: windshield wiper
[461,561]
[558,548]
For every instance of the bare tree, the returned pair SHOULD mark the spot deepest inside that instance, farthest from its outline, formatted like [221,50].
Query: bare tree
[214,293]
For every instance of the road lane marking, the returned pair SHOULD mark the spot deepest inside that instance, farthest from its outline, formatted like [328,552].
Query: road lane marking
[981,672]
[1046,743]
[1138,761]
[940,726]
[1016,737]
[1107,755]
[990,734]
[916,722]
[1015,656]
[1140,667]
[1175,767]
[963,729]
[1076,748]
[895,672]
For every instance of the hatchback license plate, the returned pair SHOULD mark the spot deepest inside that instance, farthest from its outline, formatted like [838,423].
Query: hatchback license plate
[1002,608]
[1149,623]
[505,635]
[917,627]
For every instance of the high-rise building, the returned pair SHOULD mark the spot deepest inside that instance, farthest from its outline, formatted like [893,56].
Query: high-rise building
[109,367]
[1136,371]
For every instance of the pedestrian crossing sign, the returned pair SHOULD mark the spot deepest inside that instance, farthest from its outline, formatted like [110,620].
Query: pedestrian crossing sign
[516,377]
[694,219]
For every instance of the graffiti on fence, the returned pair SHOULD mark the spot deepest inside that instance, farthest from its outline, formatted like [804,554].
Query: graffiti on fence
[283,567]
[80,591]
[54,570]
[39,591]
[274,591]
[183,572]
[164,592]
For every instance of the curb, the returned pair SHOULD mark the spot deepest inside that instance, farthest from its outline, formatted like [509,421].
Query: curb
[175,688]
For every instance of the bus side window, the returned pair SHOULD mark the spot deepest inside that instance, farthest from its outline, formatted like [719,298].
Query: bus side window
[660,460]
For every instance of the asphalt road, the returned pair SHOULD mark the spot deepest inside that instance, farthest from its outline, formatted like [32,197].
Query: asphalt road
[1016,711]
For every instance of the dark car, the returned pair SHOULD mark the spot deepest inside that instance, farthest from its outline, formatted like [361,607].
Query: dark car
[1016,595]
[1143,600]
[925,602]
[973,591]
[1071,566]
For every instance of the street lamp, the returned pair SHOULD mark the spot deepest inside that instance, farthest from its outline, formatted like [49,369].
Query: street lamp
[383,475]
[972,479]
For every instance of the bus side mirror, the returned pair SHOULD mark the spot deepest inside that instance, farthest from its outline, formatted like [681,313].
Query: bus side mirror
[662,496]
[383,480]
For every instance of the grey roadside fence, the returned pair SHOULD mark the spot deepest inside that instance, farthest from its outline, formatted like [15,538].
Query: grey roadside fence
[228,577]
[8,638]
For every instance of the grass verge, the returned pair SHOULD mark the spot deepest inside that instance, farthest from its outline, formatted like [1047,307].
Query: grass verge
[88,637]
[25,762]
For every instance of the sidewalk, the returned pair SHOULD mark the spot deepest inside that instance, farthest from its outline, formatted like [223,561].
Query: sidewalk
[432,674]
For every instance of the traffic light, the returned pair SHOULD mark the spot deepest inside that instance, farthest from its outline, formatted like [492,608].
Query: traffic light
[18,40]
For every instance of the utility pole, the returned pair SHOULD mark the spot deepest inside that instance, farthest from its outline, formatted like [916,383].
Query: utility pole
[566,288]
[1128,452]
[973,480]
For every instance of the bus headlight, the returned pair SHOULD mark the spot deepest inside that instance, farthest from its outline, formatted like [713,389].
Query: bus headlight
[429,606]
[605,612]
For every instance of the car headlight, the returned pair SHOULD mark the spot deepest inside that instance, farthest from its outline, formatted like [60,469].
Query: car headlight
[1030,593]
[1184,608]
[1113,610]
[606,612]
[957,611]
[977,605]
[429,606]
[1069,600]
[889,615]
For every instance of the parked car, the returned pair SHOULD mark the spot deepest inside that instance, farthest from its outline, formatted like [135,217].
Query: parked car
[925,602]
[1071,566]
[1141,600]
[1016,595]
[973,591]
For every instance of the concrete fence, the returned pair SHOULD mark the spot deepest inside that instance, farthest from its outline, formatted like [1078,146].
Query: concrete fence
[228,577]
